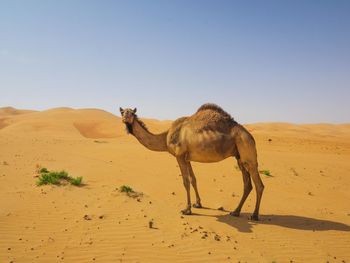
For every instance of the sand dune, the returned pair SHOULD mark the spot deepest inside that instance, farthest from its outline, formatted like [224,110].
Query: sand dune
[305,213]
[89,123]
[65,122]
[304,130]
[10,111]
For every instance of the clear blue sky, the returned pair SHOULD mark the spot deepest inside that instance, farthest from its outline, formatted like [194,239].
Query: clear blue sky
[260,60]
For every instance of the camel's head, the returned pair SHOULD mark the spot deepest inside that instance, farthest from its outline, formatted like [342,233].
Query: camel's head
[128,115]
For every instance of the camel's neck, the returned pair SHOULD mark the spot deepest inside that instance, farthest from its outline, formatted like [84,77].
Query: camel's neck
[154,142]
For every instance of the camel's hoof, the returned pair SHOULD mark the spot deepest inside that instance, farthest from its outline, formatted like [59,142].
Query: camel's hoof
[254,217]
[186,211]
[235,213]
[197,205]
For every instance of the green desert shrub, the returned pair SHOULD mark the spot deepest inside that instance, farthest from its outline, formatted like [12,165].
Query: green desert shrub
[126,189]
[130,192]
[76,181]
[266,172]
[56,178]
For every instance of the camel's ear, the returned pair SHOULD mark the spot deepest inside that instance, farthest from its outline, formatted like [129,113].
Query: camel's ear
[121,110]
[134,110]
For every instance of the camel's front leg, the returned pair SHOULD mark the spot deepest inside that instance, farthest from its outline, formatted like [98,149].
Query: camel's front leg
[186,181]
[193,180]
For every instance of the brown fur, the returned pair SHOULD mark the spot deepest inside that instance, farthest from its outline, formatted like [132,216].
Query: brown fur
[215,108]
[175,136]
[141,123]
[209,135]
[211,117]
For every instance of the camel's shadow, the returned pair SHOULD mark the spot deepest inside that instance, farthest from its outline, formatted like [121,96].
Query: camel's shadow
[243,224]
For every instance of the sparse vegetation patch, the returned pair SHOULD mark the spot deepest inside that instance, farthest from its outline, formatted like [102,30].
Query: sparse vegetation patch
[266,172]
[56,178]
[130,192]
[76,181]
[126,189]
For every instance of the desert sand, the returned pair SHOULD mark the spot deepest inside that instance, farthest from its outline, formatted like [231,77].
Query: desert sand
[305,211]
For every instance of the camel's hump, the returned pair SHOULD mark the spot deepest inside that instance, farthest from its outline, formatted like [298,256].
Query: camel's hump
[212,117]
[215,108]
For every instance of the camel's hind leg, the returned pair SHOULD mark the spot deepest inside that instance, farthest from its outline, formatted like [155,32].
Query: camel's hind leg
[185,171]
[193,180]
[246,190]
[252,168]
[248,156]
[259,187]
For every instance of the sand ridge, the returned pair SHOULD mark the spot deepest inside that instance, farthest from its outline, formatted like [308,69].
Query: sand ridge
[305,213]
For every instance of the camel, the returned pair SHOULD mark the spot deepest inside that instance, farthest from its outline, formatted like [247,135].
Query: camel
[209,135]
